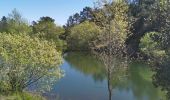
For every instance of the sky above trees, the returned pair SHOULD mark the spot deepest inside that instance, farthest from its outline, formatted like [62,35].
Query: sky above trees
[59,10]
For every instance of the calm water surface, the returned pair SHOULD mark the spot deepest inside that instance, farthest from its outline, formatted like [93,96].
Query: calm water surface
[86,79]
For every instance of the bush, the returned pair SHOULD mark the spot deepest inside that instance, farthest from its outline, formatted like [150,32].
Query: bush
[25,60]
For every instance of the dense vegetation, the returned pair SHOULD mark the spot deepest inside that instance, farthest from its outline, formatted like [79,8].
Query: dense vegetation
[46,29]
[27,55]
[123,28]
[79,39]
[24,60]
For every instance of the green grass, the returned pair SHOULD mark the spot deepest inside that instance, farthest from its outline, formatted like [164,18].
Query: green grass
[21,96]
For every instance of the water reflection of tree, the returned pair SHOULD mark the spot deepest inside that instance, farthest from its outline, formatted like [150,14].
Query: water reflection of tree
[134,78]
[115,71]
[140,82]
[162,76]
[87,64]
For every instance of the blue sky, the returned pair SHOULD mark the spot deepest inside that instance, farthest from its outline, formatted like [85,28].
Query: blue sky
[60,10]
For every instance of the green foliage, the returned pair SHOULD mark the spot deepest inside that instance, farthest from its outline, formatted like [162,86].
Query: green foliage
[165,28]
[22,96]
[77,18]
[145,16]
[81,35]
[112,19]
[150,44]
[120,25]
[46,29]
[156,44]
[25,60]
[3,24]
[14,23]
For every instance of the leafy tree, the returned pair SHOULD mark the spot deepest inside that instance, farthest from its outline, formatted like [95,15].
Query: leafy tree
[25,60]
[156,44]
[3,24]
[145,16]
[109,45]
[112,19]
[77,18]
[86,14]
[81,35]
[17,24]
[46,28]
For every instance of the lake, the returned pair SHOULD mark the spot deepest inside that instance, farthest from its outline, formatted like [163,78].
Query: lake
[86,79]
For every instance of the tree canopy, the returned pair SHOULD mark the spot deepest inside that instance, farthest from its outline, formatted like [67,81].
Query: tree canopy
[46,29]
[14,23]
[81,35]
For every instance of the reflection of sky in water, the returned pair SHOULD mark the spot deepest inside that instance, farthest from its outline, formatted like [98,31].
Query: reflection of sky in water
[82,83]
